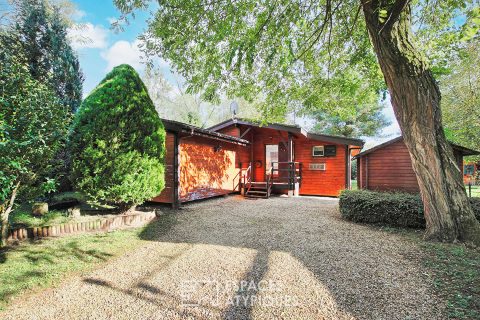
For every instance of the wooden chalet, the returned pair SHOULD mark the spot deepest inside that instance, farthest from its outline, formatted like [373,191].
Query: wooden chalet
[388,167]
[256,160]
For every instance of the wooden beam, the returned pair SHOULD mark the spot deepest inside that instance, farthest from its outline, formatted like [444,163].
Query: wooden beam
[176,171]
[246,131]
[290,147]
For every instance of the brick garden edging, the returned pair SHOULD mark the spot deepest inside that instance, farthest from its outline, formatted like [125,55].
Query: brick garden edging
[103,224]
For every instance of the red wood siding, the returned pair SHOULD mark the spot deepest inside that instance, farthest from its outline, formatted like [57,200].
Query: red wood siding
[167,194]
[388,169]
[205,172]
[231,131]
[326,183]
[322,183]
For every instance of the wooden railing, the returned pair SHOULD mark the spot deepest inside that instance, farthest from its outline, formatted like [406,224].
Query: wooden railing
[247,178]
[287,172]
[269,182]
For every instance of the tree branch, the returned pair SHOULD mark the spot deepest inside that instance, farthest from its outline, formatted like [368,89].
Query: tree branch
[395,12]
[8,209]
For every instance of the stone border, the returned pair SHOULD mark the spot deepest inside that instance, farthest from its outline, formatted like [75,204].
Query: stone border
[104,224]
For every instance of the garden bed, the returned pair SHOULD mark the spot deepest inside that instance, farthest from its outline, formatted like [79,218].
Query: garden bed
[83,224]
[25,225]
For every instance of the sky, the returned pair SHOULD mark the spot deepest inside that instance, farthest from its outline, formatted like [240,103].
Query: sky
[100,49]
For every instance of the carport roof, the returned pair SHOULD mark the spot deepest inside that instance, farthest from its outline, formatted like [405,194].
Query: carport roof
[187,129]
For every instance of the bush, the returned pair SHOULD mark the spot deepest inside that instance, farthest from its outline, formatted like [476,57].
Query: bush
[392,209]
[118,142]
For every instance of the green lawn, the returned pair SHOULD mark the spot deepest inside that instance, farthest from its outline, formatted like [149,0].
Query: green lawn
[23,216]
[475,191]
[45,263]
[454,272]
[456,276]
[353,185]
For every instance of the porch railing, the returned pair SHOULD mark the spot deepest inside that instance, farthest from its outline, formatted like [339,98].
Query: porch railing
[247,177]
[287,172]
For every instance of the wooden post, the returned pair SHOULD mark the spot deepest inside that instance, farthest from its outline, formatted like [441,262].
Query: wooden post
[176,171]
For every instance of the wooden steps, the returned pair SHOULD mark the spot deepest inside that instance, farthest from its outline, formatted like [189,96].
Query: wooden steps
[257,190]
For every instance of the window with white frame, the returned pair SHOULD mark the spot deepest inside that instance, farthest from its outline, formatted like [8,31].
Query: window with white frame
[318,151]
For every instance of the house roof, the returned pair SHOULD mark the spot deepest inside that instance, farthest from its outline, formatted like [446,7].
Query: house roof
[187,129]
[463,150]
[292,129]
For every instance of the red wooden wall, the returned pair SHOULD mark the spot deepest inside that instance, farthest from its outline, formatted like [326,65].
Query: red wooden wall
[322,183]
[205,172]
[390,169]
[327,183]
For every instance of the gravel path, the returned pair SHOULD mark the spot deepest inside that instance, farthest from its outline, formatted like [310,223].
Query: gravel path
[231,258]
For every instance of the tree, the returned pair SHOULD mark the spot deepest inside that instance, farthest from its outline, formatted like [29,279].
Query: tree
[42,30]
[32,126]
[461,98]
[277,47]
[348,105]
[118,142]
[173,103]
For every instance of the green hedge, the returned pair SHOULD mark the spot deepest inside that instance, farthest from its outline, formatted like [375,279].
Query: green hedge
[392,209]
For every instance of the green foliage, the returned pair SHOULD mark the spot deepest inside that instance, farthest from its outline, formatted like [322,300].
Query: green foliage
[293,54]
[391,209]
[461,101]
[175,104]
[22,216]
[276,52]
[42,32]
[118,142]
[33,124]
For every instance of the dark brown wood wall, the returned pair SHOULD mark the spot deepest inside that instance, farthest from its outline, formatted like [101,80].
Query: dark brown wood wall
[167,194]
[390,169]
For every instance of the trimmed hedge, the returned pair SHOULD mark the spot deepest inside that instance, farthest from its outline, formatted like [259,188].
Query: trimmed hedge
[391,209]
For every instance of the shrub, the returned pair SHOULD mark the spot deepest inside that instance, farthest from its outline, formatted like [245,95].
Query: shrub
[118,142]
[392,209]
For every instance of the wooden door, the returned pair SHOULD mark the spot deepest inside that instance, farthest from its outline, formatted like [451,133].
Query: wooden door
[283,166]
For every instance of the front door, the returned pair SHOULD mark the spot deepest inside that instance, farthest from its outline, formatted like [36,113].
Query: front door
[275,156]
[283,162]
[271,159]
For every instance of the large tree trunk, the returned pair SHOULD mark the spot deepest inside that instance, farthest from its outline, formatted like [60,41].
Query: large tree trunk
[416,102]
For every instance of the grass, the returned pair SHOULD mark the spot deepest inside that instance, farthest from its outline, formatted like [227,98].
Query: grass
[43,264]
[475,191]
[24,217]
[454,272]
[456,276]
[354,185]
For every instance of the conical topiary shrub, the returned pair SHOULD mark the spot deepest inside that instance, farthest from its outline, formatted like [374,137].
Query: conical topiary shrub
[118,142]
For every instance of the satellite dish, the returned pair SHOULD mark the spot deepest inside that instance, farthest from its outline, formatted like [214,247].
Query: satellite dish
[234,108]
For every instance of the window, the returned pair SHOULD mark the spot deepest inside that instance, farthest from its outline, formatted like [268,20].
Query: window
[318,151]
[468,169]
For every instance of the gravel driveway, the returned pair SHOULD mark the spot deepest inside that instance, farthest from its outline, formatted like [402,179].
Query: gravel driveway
[231,258]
